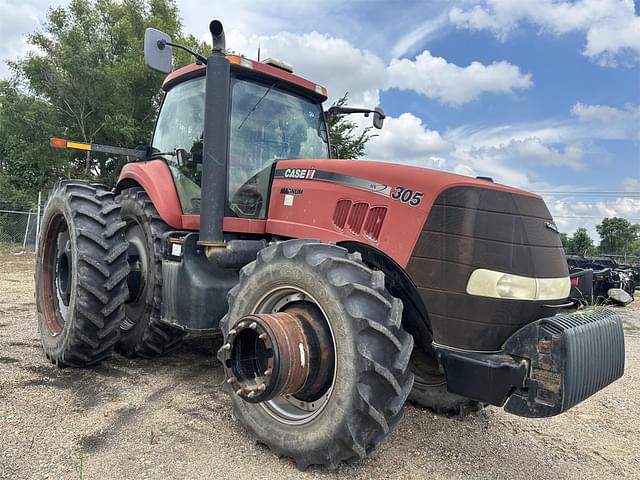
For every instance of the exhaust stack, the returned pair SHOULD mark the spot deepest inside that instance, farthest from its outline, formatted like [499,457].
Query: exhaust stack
[217,34]
[215,158]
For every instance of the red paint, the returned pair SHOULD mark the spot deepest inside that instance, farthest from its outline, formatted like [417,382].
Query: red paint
[156,179]
[312,213]
[193,67]
[230,224]
[257,67]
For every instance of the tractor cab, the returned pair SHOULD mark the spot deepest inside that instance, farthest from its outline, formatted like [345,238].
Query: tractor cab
[270,120]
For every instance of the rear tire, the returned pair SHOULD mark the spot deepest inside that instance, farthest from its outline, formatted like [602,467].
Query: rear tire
[142,333]
[430,388]
[371,378]
[81,273]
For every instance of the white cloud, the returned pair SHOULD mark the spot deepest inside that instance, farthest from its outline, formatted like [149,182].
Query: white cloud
[533,151]
[340,66]
[609,122]
[632,184]
[406,140]
[329,61]
[418,34]
[436,78]
[611,27]
[19,19]
[572,213]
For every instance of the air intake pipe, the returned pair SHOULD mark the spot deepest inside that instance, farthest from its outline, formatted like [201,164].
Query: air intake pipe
[215,158]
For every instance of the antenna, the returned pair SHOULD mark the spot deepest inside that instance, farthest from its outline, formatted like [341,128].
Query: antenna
[258,50]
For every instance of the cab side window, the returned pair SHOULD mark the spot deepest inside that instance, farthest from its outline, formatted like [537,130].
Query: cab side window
[180,125]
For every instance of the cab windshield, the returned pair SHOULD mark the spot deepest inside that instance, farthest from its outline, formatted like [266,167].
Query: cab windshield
[267,124]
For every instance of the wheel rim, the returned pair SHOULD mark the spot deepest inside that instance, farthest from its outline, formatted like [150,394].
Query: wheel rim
[57,275]
[289,409]
[138,259]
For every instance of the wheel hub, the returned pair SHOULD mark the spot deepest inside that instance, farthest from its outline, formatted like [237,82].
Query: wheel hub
[139,265]
[285,353]
[63,273]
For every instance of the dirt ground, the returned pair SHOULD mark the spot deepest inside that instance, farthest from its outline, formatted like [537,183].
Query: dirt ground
[169,418]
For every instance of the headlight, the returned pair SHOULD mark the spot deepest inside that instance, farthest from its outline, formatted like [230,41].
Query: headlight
[489,283]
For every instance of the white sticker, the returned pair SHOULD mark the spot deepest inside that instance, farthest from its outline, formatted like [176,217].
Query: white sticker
[288,200]
[176,249]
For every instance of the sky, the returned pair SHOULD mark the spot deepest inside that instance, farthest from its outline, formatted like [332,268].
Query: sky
[539,94]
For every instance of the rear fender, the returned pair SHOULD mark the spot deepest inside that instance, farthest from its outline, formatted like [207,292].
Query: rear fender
[155,178]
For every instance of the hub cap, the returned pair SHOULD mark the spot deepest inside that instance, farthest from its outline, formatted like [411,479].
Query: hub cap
[138,259]
[282,356]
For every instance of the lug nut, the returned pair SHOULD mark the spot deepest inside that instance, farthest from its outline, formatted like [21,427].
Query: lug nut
[253,326]
[232,380]
[232,332]
[262,336]
[226,346]
[251,394]
[268,372]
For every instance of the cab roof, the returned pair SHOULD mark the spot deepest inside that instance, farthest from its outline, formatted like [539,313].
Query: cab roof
[252,68]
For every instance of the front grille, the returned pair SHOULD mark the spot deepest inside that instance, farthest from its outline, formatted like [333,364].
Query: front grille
[469,228]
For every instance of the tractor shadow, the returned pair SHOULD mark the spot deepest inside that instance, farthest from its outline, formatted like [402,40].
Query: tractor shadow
[192,364]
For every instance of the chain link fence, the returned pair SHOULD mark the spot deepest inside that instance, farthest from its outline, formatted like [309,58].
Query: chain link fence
[633,260]
[19,228]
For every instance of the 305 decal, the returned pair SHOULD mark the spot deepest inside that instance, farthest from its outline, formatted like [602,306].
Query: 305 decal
[407,195]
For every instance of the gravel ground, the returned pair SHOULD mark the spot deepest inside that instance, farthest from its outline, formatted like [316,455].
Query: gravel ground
[168,418]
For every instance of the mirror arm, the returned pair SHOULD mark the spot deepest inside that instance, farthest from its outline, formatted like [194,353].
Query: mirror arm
[347,110]
[200,58]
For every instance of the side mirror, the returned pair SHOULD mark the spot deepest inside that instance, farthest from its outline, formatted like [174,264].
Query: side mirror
[182,157]
[378,118]
[157,51]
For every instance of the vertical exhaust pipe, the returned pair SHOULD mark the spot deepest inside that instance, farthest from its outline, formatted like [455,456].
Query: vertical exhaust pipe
[215,158]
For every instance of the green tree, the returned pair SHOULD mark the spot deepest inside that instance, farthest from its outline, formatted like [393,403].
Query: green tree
[26,161]
[582,243]
[344,136]
[87,65]
[566,242]
[617,236]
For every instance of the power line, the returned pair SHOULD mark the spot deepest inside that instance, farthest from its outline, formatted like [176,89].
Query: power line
[591,194]
[592,217]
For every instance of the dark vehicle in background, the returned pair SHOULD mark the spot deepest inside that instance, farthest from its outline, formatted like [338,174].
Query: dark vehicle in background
[600,280]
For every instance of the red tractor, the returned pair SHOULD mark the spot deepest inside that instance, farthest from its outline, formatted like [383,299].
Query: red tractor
[341,287]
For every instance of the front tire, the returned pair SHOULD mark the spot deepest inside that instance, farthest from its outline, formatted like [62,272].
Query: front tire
[371,375]
[430,388]
[81,273]
[142,333]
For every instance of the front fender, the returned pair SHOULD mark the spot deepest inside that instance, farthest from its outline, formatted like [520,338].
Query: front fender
[155,178]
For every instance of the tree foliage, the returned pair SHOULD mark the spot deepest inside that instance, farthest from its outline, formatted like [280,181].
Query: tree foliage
[618,236]
[344,134]
[85,80]
[579,244]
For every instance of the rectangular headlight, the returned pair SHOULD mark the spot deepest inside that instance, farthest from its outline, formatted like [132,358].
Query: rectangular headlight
[489,283]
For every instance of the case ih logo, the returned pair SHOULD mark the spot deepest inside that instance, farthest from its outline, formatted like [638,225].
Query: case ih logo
[299,173]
